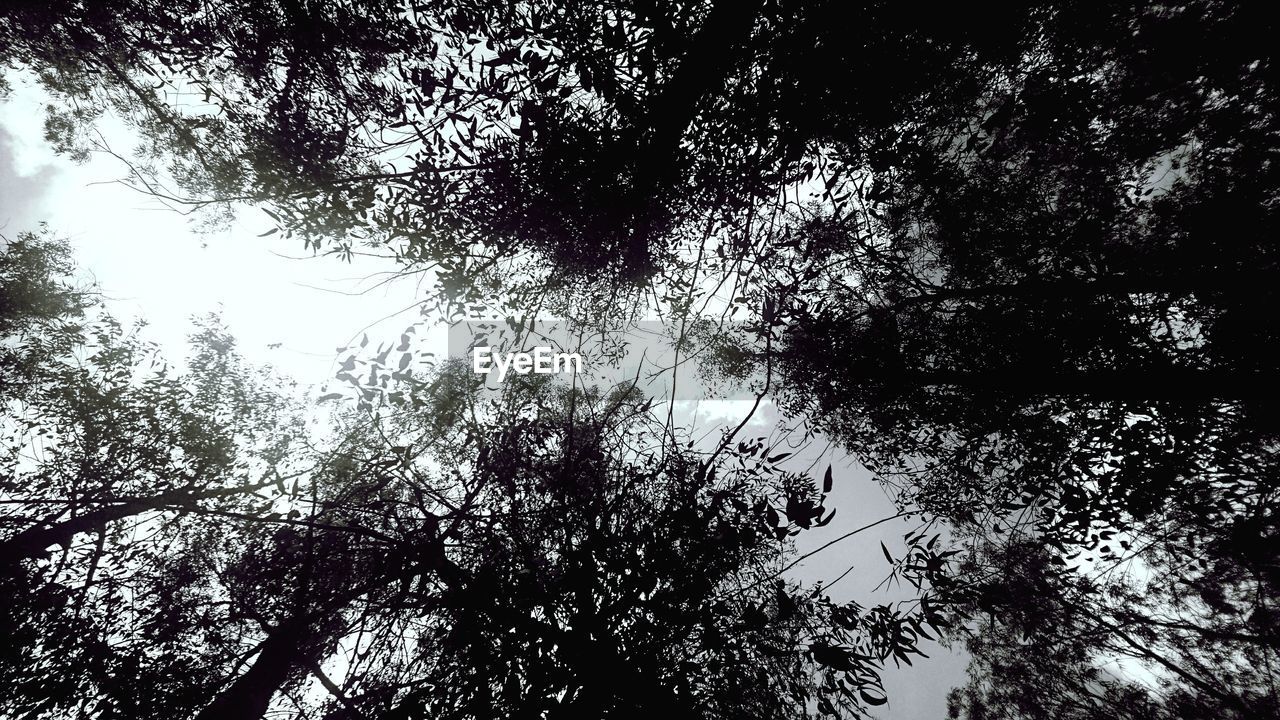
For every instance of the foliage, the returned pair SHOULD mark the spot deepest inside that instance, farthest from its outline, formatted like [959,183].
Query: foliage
[1049,643]
[183,544]
[1019,264]
[39,306]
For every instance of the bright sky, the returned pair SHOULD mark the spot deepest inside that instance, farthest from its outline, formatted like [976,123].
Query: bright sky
[151,264]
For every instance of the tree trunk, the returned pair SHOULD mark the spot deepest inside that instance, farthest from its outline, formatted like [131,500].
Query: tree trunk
[294,645]
[287,648]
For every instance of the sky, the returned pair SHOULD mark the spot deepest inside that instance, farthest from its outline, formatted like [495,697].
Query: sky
[152,264]
[293,312]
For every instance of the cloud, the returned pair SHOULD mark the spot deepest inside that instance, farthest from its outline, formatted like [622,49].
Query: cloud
[24,198]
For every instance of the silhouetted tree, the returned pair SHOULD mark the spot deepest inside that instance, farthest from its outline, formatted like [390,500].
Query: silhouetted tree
[1052,326]
[176,544]
[39,306]
[469,135]
[1019,264]
[1047,642]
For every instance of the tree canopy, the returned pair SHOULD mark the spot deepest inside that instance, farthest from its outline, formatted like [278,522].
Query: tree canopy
[1018,263]
[182,542]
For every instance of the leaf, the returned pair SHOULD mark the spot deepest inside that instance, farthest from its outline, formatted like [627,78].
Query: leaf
[887,556]
[329,396]
[826,481]
[872,699]
[272,231]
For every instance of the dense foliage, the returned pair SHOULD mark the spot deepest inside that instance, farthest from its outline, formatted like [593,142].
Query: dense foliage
[183,542]
[1020,264]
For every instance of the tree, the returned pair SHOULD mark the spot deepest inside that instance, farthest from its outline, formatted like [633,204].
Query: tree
[537,553]
[105,448]
[1046,334]
[97,427]
[38,306]
[1047,642]
[603,138]
[609,577]
[1021,282]
[108,433]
